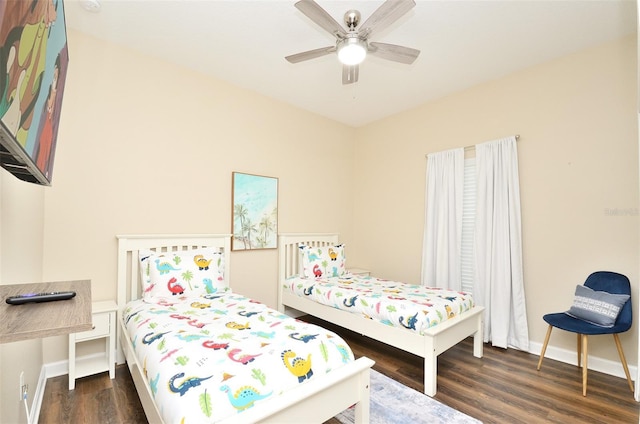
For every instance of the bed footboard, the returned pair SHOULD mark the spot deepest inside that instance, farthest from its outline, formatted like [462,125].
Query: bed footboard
[317,400]
[444,336]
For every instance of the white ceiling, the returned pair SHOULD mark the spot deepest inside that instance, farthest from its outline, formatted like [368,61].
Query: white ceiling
[462,43]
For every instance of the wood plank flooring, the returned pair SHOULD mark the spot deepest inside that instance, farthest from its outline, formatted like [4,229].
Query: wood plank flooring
[502,387]
[95,400]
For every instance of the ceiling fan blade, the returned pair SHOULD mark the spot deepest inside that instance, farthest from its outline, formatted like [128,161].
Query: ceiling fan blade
[385,15]
[393,52]
[318,15]
[311,54]
[350,74]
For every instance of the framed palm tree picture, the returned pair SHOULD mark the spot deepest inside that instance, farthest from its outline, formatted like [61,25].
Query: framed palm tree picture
[255,212]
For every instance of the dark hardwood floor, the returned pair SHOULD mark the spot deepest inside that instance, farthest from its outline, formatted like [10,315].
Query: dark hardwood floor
[502,387]
[95,400]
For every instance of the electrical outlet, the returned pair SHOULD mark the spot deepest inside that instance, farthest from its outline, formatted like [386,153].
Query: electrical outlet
[21,386]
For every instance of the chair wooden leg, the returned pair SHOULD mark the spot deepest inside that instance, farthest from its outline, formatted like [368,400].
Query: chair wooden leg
[579,348]
[544,346]
[624,361]
[584,365]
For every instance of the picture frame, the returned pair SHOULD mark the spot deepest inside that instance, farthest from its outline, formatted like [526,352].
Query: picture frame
[254,212]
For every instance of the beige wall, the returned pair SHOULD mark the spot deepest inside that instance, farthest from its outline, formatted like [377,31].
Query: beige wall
[578,159]
[21,232]
[150,147]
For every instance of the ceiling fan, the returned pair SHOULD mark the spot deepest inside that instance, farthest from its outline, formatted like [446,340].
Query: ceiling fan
[352,42]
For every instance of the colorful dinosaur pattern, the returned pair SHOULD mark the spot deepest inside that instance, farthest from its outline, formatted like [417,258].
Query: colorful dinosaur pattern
[236,355]
[304,337]
[396,304]
[164,267]
[174,287]
[152,337]
[211,357]
[244,397]
[410,321]
[186,384]
[201,262]
[196,271]
[297,366]
[317,271]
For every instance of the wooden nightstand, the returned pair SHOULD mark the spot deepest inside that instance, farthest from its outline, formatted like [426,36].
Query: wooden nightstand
[103,315]
[360,271]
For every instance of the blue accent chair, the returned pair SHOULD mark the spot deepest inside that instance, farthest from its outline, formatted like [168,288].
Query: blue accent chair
[610,282]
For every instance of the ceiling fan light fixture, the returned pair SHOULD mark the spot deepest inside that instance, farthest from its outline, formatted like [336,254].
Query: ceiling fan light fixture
[352,51]
[352,38]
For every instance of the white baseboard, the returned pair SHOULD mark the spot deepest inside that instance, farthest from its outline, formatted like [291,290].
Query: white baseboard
[56,369]
[34,415]
[595,363]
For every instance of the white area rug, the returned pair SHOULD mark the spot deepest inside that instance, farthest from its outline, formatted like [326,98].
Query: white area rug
[395,403]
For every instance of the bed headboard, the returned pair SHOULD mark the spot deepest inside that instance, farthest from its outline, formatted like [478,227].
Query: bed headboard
[289,253]
[129,282]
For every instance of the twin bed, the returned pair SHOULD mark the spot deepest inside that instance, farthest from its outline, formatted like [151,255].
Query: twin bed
[198,352]
[445,317]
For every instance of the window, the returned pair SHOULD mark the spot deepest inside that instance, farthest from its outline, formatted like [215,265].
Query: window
[468,224]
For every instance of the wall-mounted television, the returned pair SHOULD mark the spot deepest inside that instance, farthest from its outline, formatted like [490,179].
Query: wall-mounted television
[33,68]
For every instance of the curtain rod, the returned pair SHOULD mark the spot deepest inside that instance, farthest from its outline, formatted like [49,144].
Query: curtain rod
[467,148]
[473,147]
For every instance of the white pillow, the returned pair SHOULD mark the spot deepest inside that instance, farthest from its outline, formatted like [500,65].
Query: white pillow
[184,273]
[325,261]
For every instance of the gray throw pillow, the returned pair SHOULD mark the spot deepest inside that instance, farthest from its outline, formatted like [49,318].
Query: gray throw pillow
[597,307]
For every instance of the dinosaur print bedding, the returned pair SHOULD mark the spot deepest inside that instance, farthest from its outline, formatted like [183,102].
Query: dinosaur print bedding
[209,357]
[414,307]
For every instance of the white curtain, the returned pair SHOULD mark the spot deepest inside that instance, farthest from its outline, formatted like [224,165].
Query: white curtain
[499,285]
[443,219]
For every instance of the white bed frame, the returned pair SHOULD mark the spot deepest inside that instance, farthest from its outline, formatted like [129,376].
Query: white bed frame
[437,339]
[315,401]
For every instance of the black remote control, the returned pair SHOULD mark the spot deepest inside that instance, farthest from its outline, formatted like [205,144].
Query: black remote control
[39,297]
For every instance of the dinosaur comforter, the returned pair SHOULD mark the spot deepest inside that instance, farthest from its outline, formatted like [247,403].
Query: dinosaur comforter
[209,357]
[416,308]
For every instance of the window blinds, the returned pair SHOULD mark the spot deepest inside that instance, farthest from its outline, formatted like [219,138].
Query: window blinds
[468,224]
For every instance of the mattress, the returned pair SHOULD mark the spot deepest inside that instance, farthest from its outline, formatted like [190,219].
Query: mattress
[412,307]
[207,358]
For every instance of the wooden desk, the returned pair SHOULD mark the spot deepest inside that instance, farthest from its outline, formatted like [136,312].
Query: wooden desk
[39,320]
